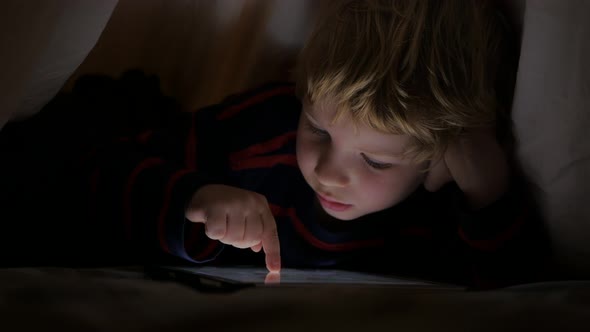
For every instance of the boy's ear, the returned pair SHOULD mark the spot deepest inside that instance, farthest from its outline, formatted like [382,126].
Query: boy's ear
[438,176]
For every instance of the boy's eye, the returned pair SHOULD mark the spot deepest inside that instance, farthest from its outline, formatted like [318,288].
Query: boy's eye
[375,164]
[317,131]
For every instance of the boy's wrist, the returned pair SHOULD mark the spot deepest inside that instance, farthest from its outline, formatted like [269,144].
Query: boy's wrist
[480,168]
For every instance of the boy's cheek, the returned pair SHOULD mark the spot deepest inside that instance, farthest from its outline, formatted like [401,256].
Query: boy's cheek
[305,161]
[305,151]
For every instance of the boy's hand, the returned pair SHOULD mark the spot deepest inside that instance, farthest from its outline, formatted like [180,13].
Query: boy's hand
[478,165]
[237,217]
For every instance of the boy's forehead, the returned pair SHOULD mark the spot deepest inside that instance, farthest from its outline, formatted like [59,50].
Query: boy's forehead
[324,105]
[330,113]
[324,112]
[328,110]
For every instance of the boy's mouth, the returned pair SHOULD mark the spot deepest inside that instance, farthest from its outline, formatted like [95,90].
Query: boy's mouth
[333,205]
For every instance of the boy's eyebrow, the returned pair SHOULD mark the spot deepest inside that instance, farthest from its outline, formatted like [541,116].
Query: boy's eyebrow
[309,116]
[384,154]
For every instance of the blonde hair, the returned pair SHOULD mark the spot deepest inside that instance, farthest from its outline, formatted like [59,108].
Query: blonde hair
[422,68]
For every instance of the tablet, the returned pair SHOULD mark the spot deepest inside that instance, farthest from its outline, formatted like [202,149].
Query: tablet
[237,277]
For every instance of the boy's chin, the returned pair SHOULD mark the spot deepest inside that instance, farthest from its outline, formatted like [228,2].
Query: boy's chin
[353,214]
[344,215]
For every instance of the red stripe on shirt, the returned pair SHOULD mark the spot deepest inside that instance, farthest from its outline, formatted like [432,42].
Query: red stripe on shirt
[127,212]
[196,230]
[491,245]
[264,147]
[165,207]
[233,110]
[191,146]
[206,253]
[278,211]
[265,162]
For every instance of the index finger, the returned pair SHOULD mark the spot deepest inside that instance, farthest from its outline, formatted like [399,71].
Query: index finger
[270,242]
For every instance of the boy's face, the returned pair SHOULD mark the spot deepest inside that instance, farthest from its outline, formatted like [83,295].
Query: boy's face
[354,169]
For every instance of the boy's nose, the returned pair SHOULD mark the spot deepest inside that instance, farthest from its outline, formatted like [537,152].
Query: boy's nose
[330,173]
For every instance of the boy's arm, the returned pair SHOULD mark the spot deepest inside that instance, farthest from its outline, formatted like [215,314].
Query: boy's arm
[137,186]
[134,183]
[143,183]
[504,242]
[499,228]
[444,238]
[477,163]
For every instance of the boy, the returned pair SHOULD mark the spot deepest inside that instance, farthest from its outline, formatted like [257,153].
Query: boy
[387,158]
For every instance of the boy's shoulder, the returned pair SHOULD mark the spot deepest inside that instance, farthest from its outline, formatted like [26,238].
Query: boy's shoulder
[272,103]
[254,116]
